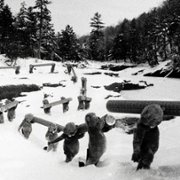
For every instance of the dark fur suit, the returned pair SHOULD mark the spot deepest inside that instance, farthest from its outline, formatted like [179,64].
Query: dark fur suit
[26,126]
[146,136]
[72,134]
[97,141]
[51,135]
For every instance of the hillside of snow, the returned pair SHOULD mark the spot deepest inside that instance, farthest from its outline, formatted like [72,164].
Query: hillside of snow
[22,158]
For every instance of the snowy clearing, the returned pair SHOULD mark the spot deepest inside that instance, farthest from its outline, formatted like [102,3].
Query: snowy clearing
[25,159]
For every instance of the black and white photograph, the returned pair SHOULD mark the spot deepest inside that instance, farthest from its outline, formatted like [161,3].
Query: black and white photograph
[89,89]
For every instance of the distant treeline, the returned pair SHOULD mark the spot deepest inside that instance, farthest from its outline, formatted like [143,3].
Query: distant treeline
[151,37]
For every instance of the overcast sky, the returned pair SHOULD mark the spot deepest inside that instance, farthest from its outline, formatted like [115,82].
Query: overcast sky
[77,13]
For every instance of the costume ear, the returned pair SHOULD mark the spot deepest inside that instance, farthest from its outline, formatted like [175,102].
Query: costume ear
[87,119]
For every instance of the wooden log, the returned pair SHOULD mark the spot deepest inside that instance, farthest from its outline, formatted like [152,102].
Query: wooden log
[31,66]
[62,101]
[69,67]
[65,105]
[17,68]
[84,102]
[47,123]
[136,106]
[74,77]
[84,86]
[29,119]
[46,102]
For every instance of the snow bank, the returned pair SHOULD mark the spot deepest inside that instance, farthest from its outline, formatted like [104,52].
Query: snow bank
[25,159]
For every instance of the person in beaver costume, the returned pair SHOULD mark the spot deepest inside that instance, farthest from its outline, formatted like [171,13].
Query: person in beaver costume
[97,141]
[146,136]
[26,125]
[51,134]
[71,135]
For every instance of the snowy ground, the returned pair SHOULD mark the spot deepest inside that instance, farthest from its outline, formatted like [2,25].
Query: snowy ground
[25,159]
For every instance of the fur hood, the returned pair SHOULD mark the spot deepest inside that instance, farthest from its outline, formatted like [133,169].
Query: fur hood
[152,115]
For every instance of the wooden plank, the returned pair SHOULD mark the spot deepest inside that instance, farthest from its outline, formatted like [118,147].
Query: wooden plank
[84,98]
[45,64]
[47,123]
[56,103]
[73,72]
[9,67]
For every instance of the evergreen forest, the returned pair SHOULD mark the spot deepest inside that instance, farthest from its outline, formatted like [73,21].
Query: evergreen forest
[152,37]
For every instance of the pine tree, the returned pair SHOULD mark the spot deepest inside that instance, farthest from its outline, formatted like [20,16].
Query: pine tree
[32,31]
[1,5]
[22,37]
[134,41]
[68,45]
[121,44]
[45,28]
[21,41]
[96,39]
[6,26]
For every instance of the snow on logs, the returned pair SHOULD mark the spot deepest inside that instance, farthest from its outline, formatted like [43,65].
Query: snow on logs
[64,101]
[17,68]
[84,101]
[71,69]
[31,66]
[26,125]
[9,107]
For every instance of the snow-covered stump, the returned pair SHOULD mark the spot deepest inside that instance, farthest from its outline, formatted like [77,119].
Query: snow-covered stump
[74,77]
[9,107]
[11,111]
[69,70]
[47,109]
[69,67]
[52,68]
[87,102]
[17,68]
[84,86]
[64,101]
[31,66]
[84,102]
[81,103]
[65,104]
